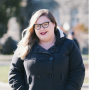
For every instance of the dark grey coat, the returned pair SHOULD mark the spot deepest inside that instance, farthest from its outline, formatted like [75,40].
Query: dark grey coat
[58,68]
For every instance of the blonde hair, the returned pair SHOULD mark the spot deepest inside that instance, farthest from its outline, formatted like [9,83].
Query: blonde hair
[28,35]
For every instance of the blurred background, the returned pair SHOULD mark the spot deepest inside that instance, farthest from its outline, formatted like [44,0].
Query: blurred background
[72,17]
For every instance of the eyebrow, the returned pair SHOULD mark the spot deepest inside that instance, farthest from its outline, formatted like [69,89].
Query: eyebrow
[42,23]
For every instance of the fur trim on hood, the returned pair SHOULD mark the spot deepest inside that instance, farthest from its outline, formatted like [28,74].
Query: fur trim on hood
[61,32]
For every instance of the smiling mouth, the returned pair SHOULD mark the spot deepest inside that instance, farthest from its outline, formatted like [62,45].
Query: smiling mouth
[43,33]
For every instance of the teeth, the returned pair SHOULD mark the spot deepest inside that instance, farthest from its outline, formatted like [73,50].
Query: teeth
[43,33]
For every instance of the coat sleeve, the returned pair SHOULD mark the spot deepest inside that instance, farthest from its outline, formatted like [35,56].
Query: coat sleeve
[16,74]
[76,68]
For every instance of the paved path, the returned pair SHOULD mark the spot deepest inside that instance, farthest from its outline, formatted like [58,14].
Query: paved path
[5,86]
[5,63]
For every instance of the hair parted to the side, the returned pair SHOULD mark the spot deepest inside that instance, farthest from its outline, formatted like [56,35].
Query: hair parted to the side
[28,35]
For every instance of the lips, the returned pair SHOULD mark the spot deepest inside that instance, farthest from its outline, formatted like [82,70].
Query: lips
[43,33]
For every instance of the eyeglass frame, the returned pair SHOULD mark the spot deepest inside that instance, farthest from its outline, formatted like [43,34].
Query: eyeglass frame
[41,25]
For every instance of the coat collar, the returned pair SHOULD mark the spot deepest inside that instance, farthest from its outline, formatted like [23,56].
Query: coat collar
[40,49]
[60,37]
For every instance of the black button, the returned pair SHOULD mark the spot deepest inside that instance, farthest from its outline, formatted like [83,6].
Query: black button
[50,75]
[40,60]
[38,76]
[51,58]
[55,49]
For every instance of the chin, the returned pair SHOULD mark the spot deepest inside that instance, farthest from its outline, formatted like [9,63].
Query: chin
[44,39]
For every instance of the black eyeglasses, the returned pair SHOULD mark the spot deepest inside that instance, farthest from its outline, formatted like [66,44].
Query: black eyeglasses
[44,25]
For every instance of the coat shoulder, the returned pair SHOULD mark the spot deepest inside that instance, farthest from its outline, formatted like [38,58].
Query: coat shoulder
[70,44]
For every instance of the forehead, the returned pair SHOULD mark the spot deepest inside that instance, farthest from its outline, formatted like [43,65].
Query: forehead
[42,19]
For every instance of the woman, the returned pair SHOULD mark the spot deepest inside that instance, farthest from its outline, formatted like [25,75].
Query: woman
[45,59]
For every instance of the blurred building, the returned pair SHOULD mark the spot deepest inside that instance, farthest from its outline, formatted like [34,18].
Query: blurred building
[71,12]
[74,12]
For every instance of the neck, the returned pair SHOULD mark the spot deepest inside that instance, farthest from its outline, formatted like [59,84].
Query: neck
[47,44]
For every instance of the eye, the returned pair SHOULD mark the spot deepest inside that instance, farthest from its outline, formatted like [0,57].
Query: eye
[37,25]
[45,24]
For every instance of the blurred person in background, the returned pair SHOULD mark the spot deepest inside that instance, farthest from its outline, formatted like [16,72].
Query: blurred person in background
[45,59]
[71,36]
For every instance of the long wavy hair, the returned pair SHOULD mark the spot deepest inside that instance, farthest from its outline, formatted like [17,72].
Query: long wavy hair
[28,35]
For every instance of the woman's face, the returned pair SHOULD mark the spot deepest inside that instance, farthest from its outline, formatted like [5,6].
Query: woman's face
[44,29]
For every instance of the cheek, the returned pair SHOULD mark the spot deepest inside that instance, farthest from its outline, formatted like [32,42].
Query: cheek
[52,29]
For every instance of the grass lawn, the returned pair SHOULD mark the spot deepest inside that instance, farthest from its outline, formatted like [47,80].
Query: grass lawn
[4,73]
[86,80]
